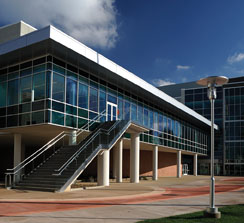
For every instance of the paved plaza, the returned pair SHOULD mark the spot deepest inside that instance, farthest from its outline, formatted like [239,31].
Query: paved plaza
[123,202]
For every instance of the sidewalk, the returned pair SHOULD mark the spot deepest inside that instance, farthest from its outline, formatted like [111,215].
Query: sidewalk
[125,200]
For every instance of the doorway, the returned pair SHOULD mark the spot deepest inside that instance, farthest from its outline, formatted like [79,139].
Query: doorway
[111,111]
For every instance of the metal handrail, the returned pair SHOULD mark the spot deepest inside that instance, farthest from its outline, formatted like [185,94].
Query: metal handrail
[89,123]
[47,144]
[73,157]
[50,143]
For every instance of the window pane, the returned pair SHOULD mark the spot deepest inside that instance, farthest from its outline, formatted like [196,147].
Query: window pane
[71,121]
[25,108]
[83,113]
[120,109]
[71,92]
[102,101]
[93,99]
[71,110]
[58,87]
[37,117]
[127,110]
[39,86]
[57,118]
[151,119]
[145,117]
[133,112]
[24,119]
[3,89]
[13,88]
[112,99]
[82,122]
[12,120]
[140,114]
[25,89]
[58,106]
[39,68]
[83,96]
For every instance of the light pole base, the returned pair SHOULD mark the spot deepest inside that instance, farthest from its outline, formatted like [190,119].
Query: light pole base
[212,213]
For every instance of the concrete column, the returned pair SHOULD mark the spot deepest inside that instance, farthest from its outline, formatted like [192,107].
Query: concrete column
[155,163]
[114,161]
[103,168]
[195,165]
[179,172]
[72,138]
[119,160]
[135,158]
[17,152]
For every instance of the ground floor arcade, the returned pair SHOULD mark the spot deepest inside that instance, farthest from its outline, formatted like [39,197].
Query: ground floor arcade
[128,158]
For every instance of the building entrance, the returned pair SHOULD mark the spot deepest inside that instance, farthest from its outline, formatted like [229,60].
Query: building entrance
[185,169]
[111,111]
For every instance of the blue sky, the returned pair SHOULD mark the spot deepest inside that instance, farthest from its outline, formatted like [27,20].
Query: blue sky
[161,41]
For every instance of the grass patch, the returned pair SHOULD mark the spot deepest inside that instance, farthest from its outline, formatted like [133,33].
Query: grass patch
[229,214]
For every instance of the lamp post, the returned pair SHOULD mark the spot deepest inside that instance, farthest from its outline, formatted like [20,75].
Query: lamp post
[211,83]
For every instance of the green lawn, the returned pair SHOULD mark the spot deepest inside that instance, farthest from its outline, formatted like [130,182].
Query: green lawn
[229,214]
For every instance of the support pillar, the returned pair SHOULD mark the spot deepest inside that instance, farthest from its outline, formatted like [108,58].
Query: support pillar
[119,160]
[103,168]
[17,153]
[72,138]
[155,163]
[135,158]
[114,162]
[195,165]
[179,164]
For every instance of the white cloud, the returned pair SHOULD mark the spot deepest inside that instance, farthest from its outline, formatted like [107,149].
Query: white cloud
[92,22]
[161,82]
[237,57]
[180,67]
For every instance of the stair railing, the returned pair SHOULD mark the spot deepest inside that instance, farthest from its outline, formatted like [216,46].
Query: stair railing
[77,153]
[10,177]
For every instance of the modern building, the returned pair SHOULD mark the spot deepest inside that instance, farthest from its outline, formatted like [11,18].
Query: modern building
[229,116]
[67,112]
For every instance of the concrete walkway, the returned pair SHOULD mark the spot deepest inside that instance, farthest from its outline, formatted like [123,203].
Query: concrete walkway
[120,202]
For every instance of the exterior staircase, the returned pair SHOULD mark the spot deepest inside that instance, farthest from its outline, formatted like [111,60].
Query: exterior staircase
[62,168]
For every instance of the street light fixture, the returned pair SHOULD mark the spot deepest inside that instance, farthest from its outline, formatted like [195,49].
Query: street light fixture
[211,83]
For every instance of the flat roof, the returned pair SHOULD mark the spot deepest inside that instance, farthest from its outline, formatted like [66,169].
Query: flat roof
[50,32]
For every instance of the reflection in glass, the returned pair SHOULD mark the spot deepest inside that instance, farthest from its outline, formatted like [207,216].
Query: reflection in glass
[102,101]
[127,110]
[25,89]
[71,92]
[133,112]
[3,91]
[93,100]
[58,87]
[83,96]
[13,88]
[57,118]
[39,86]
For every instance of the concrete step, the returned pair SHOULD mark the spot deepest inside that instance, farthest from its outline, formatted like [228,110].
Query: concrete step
[35,188]
[41,184]
[43,181]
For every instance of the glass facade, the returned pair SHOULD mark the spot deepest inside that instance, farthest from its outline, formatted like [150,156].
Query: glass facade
[229,116]
[234,131]
[197,100]
[48,90]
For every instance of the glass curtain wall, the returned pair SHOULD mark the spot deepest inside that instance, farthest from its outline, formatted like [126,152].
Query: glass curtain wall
[197,100]
[234,131]
[48,90]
